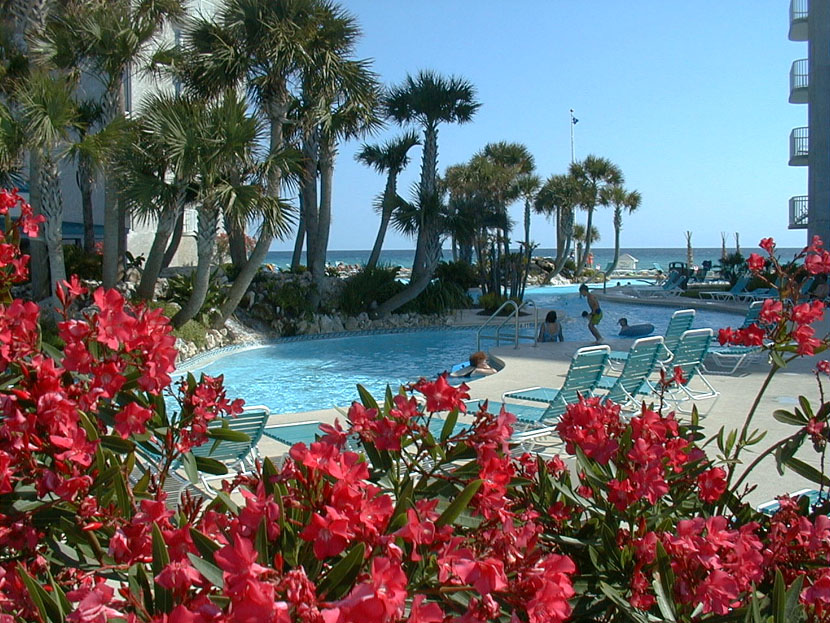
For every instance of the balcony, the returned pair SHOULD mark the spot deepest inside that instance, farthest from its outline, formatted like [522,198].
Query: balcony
[799,147]
[798,212]
[798,20]
[799,80]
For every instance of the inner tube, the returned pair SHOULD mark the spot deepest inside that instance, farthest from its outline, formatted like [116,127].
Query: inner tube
[637,330]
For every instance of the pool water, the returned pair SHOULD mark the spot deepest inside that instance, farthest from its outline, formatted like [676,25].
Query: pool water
[569,307]
[305,375]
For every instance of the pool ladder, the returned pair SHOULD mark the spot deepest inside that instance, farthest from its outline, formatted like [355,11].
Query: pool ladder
[504,331]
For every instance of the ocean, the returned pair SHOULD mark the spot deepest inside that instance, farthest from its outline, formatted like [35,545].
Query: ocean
[647,257]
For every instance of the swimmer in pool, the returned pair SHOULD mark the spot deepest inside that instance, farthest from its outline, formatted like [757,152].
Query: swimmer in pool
[478,366]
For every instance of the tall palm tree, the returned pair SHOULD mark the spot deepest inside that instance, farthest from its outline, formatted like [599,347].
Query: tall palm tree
[159,171]
[620,199]
[390,158]
[107,38]
[430,99]
[558,198]
[593,174]
[51,115]
[528,186]
[581,237]
[265,47]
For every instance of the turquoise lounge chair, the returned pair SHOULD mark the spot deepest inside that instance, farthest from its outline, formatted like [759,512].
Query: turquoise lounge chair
[680,322]
[587,366]
[689,355]
[643,359]
[814,499]
[729,359]
[738,289]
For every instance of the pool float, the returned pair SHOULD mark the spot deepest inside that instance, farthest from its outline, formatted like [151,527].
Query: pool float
[634,330]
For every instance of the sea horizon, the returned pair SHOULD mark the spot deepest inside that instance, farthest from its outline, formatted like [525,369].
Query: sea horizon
[647,257]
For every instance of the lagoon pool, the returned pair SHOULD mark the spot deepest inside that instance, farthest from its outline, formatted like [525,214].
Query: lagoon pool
[309,374]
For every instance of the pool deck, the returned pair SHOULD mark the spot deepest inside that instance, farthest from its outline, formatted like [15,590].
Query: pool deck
[546,365]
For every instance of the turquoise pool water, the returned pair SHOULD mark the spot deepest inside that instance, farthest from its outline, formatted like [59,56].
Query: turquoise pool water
[314,374]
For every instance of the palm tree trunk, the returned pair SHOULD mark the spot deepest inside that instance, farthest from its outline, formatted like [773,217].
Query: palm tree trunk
[53,211]
[114,216]
[39,262]
[175,240]
[617,228]
[205,242]
[277,115]
[236,242]
[155,258]
[328,154]
[427,198]
[527,224]
[85,180]
[311,208]
[299,240]
[387,205]
[584,256]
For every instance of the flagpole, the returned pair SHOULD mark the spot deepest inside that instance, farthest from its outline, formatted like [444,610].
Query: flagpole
[573,123]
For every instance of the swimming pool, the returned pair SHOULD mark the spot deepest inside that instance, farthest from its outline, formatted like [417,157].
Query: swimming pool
[305,375]
[569,307]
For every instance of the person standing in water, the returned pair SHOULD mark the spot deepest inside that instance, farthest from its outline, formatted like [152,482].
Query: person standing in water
[595,315]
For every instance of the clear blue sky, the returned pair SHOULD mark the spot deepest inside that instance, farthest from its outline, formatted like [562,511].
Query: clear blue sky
[688,98]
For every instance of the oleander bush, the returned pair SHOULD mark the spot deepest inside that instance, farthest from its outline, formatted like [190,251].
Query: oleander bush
[403,512]
[370,285]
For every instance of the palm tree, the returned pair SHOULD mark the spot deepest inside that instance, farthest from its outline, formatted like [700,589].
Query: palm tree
[621,199]
[107,37]
[581,238]
[160,170]
[528,186]
[593,174]
[390,158]
[265,47]
[430,99]
[50,114]
[559,197]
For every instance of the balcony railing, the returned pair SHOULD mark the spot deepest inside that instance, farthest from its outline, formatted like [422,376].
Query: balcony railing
[799,81]
[799,147]
[799,10]
[798,212]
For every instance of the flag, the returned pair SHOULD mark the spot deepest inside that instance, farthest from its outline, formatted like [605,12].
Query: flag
[574,120]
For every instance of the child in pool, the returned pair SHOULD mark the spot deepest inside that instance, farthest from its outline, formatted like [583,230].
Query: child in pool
[595,315]
[551,329]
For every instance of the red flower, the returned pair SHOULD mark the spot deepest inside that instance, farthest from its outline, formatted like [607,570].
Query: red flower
[756,263]
[771,311]
[711,484]
[823,366]
[441,396]
[817,262]
[767,244]
[132,419]
[806,342]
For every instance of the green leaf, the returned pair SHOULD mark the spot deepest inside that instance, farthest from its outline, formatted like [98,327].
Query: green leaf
[779,598]
[663,580]
[449,425]
[48,609]
[161,558]
[805,406]
[206,546]
[261,542]
[777,359]
[117,444]
[807,471]
[338,581]
[189,464]
[458,505]
[269,473]
[227,434]
[786,417]
[366,398]
[121,496]
[212,573]
[211,466]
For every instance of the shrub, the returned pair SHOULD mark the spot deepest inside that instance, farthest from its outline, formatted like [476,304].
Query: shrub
[369,285]
[292,299]
[87,266]
[192,331]
[439,298]
[491,301]
[180,288]
[462,274]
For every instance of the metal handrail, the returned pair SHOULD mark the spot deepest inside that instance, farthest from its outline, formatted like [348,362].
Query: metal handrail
[513,315]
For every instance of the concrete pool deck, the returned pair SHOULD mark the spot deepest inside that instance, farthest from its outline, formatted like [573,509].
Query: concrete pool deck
[546,365]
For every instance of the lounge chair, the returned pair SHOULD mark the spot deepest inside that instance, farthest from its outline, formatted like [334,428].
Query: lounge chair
[688,355]
[814,499]
[671,285]
[729,359]
[738,289]
[239,455]
[587,366]
[680,322]
[296,432]
[643,359]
